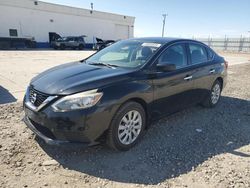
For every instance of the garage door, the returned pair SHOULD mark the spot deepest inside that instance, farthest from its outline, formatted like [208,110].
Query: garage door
[121,31]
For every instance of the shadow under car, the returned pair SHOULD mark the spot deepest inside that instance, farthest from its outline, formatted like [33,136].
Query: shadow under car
[171,146]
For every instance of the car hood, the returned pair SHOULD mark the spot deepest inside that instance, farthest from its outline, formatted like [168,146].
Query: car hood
[76,77]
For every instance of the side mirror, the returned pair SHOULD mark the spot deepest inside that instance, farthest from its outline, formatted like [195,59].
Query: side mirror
[166,67]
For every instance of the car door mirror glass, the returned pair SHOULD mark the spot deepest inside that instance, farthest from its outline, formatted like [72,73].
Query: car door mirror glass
[166,67]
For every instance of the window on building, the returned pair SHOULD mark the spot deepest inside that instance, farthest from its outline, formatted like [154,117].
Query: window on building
[13,32]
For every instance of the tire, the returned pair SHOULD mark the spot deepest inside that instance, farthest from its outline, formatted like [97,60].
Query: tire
[81,47]
[213,96]
[133,129]
[62,46]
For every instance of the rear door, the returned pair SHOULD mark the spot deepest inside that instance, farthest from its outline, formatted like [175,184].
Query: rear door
[72,42]
[204,69]
[173,90]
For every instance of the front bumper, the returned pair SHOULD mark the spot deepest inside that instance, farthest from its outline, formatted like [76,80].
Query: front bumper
[55,128]
[41,135]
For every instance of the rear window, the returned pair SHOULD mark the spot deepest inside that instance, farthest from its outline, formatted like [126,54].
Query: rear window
[198,53]
[70,39]
[80,39]
[210,54]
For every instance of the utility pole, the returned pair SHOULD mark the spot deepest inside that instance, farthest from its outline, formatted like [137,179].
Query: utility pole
[249,41]
[92,6]
[164,21]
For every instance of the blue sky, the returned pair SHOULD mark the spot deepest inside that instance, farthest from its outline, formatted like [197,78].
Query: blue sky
[186,18]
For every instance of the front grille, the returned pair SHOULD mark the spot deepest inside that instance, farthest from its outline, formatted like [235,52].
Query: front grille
[36,97]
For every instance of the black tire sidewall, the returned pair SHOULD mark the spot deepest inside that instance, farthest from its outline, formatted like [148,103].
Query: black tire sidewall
[116,120]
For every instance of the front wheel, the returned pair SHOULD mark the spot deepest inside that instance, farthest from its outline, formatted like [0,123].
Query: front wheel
[127,126]
[214,95]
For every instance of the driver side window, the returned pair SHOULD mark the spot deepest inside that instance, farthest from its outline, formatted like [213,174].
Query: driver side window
[175,54]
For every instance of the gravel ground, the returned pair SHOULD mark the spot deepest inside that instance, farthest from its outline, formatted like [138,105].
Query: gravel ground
[196,147]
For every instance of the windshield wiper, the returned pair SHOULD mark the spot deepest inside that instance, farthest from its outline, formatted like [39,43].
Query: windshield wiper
[105,64]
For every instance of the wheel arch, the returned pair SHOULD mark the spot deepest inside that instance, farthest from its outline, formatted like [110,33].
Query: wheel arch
[142,103]
[220,79]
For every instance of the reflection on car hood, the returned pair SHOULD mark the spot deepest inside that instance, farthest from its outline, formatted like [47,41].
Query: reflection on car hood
[76,77]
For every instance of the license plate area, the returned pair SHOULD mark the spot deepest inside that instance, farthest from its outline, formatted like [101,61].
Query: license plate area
[33,116]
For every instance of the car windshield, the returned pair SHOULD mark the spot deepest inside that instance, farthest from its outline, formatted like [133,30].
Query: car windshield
[128,54]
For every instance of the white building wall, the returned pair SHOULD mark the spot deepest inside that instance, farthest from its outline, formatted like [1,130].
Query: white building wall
[38,20]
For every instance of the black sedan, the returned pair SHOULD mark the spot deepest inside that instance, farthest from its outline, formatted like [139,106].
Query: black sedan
[117,92]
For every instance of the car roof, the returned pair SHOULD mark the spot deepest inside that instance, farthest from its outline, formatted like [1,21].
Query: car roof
[161,40]
[75,36]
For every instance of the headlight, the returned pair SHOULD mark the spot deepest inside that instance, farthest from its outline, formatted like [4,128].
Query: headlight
[82,100]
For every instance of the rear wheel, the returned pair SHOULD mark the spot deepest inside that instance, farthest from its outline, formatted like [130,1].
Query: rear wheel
[214,95]
[127,126]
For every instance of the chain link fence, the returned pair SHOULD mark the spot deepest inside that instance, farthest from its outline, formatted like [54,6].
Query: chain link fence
[241,44]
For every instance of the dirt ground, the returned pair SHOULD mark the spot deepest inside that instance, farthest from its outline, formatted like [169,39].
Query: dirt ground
[197,147]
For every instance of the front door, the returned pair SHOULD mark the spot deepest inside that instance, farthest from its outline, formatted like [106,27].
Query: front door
[173,90]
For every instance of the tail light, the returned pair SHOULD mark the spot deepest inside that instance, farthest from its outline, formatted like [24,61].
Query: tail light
[226,64]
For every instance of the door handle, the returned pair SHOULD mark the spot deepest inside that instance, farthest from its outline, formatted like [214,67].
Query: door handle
[212,71]
[188,77]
